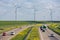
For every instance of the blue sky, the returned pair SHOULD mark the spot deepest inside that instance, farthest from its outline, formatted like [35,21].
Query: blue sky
[25,9]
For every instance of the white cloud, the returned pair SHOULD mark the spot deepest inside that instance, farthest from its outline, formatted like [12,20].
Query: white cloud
[27,5]
[26,12]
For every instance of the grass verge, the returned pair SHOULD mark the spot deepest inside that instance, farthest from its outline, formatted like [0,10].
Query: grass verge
[34,34]
[55,28]
[22,35]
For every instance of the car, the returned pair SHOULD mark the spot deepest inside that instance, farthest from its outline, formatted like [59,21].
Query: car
[43,30]
[12,33]
[51,35]
[4,34]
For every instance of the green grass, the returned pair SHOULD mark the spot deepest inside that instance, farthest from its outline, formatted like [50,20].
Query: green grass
[22,35]
[55,27]
[3,23]
[34,34]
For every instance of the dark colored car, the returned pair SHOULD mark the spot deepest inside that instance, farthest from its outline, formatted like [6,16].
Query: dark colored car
[43,30]
[4,34]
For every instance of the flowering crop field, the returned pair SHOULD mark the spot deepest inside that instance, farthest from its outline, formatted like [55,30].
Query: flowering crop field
[55,27]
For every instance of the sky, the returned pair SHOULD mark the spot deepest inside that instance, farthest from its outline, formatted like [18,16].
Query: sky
[25,10]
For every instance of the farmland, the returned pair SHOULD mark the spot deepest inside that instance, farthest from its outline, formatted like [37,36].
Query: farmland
[9,25]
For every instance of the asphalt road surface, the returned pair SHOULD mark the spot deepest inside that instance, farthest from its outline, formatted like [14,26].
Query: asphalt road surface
[17,30]
[47,35]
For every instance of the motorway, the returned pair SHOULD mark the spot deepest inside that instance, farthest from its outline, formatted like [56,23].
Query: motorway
[17,30]
[47,35]
[43,35]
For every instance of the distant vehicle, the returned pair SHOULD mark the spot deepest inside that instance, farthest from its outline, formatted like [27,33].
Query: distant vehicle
[51,35]
[43,30]
[44,27]
[12,33]
[4,34]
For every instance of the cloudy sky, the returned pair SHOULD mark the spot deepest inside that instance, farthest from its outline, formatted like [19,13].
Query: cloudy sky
[25,9]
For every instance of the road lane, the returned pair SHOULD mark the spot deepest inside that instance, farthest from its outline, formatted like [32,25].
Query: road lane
[56,36]
[46,35]
[17,30]
[43,35]
[53,38]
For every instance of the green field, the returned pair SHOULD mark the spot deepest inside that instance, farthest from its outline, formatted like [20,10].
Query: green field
[3,23]
[9,25]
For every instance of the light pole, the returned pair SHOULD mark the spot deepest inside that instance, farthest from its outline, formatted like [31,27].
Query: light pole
[50,7]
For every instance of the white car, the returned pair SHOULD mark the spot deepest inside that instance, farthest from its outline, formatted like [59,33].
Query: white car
[12,33]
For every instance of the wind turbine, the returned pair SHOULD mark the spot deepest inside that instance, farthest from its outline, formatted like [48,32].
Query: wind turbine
[16,8]
[32,7]
[50,8]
